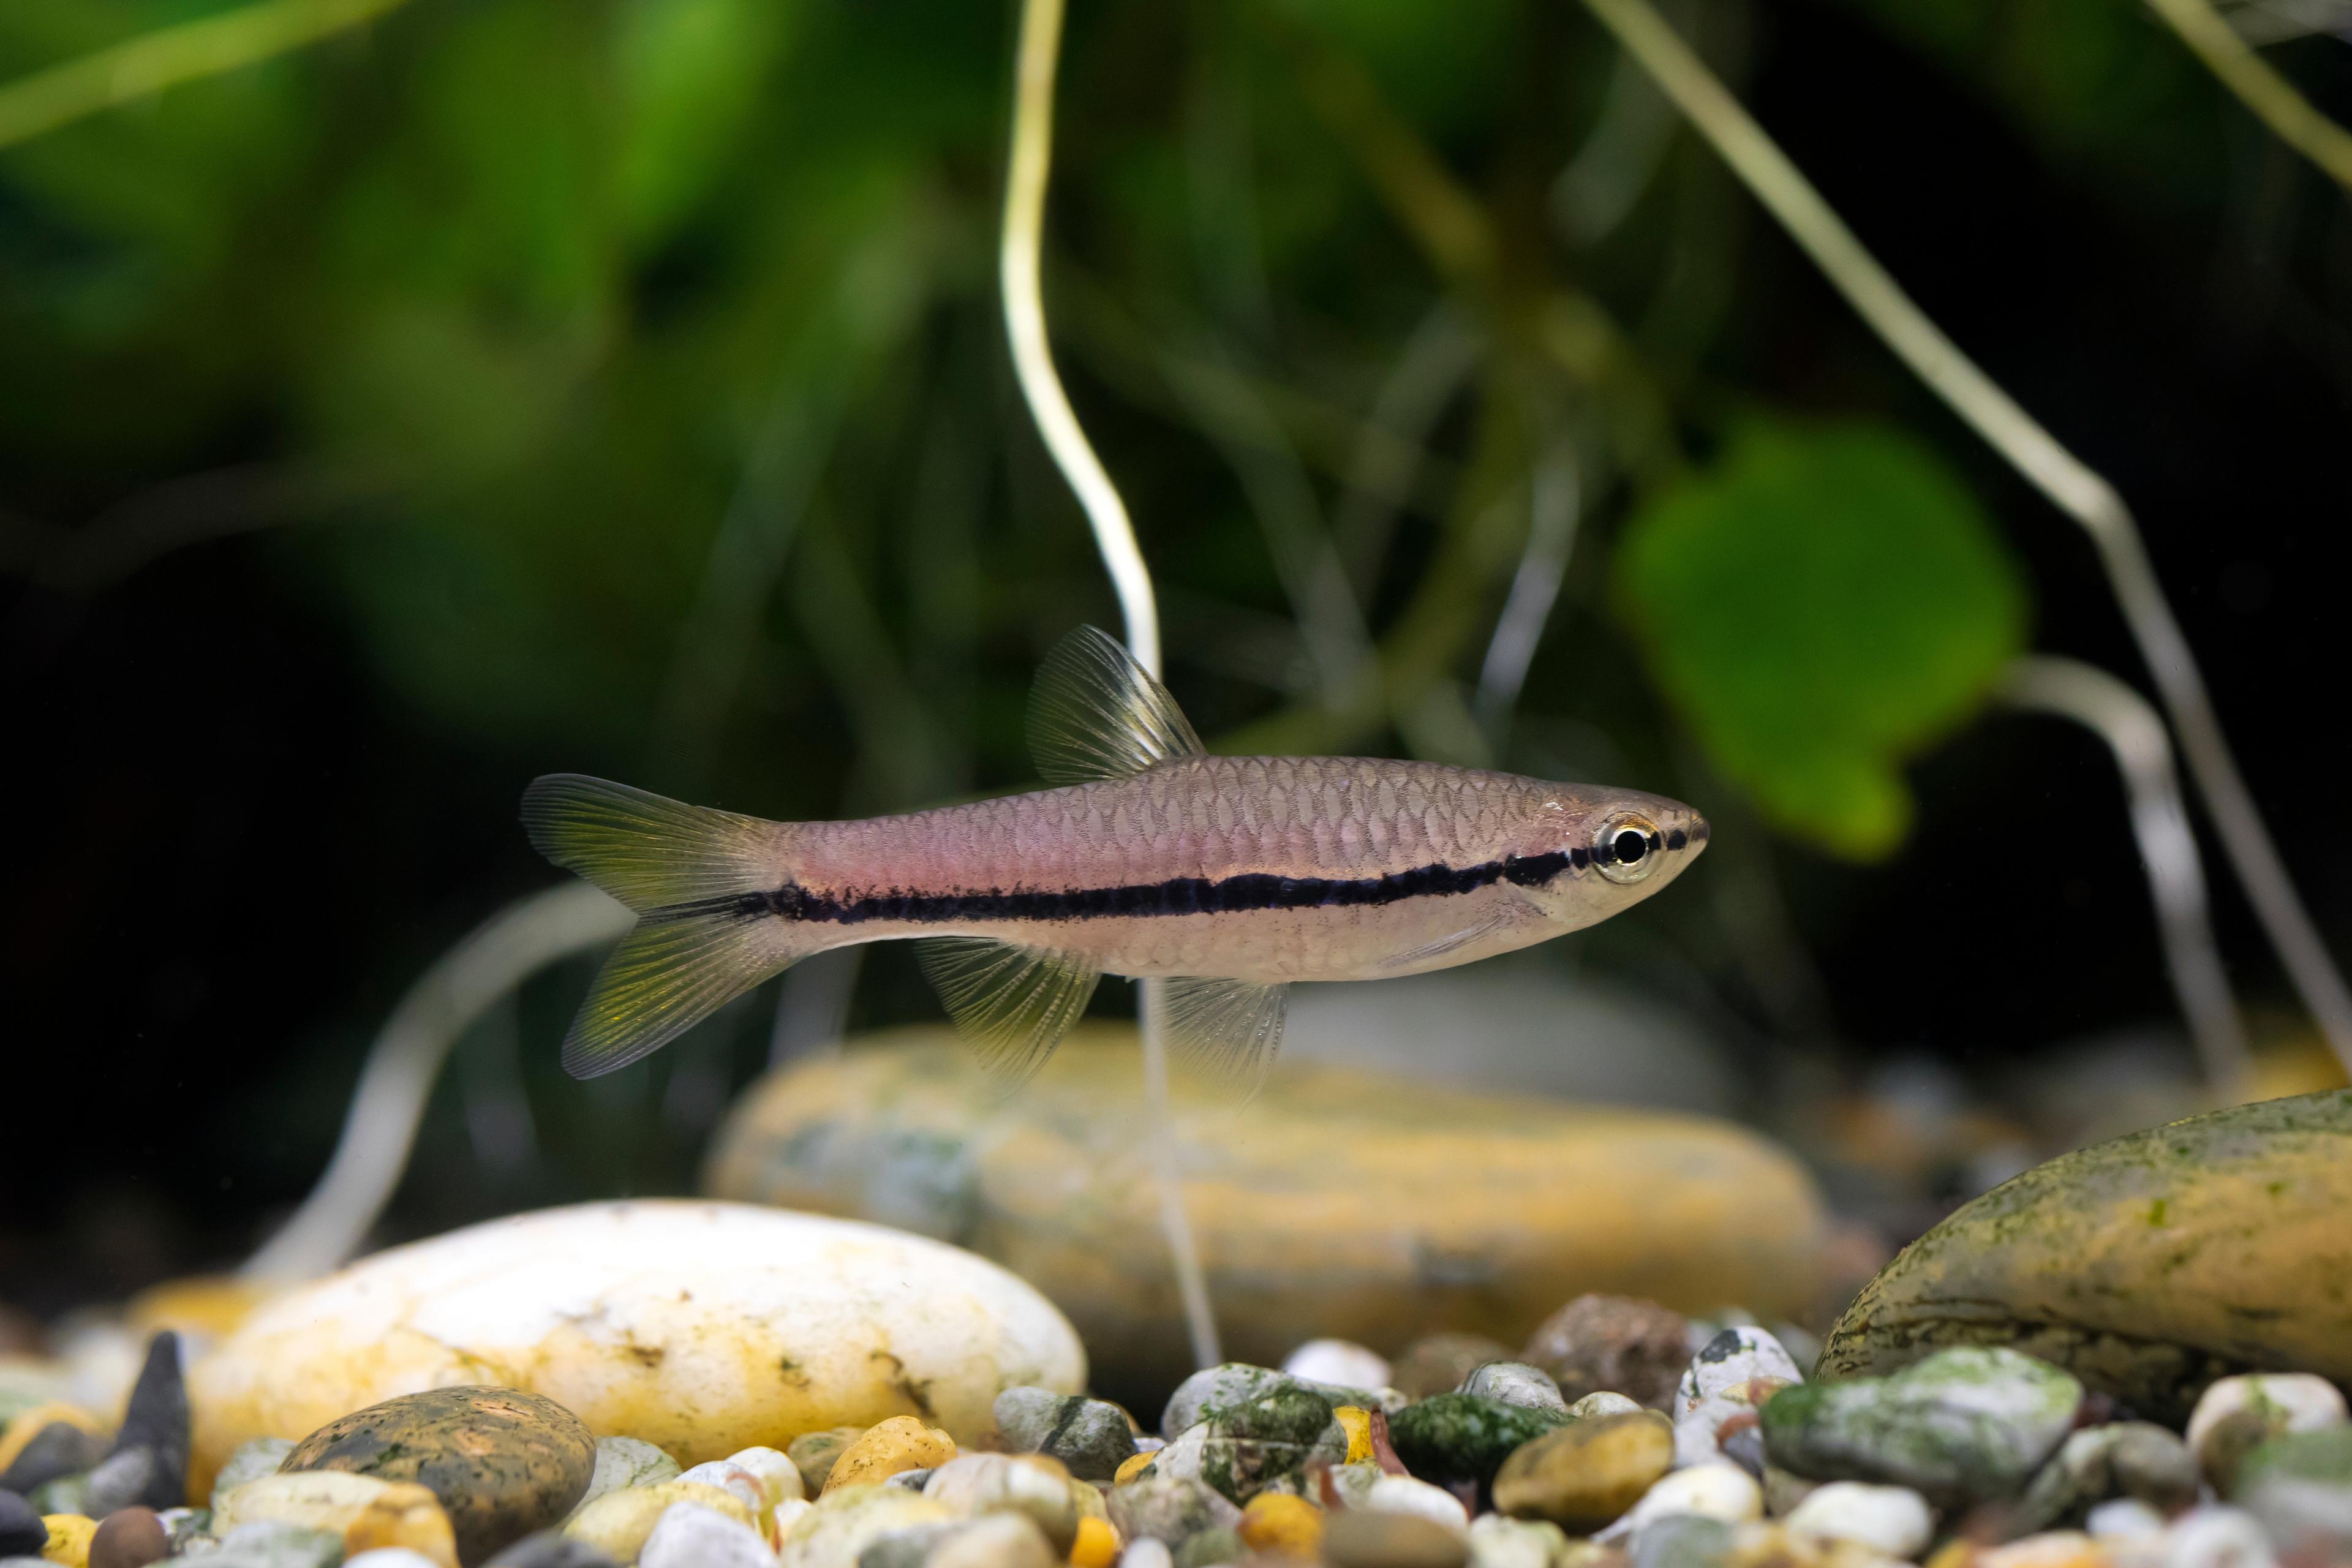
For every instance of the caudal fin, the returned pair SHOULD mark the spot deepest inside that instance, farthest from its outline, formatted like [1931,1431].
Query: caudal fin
[700,940]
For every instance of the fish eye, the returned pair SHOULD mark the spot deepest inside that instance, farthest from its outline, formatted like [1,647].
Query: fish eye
[1625,848]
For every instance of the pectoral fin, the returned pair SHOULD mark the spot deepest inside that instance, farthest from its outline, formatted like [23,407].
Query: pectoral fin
[1229,1029]
[1012,1004]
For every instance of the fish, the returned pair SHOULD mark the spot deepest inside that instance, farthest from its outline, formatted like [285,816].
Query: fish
[1229,878]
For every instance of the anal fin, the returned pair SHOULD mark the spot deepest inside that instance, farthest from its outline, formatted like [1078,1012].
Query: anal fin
[668,975]
[1012,1003]
[1229,1029]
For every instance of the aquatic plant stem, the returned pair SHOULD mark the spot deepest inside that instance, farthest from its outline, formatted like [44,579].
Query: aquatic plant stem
[141,67]
[2069,483]
[1018,255]
[2134,732]
[380,1128]
[2267,94]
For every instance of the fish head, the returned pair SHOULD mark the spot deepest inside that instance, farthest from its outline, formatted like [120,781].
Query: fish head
[1612,849]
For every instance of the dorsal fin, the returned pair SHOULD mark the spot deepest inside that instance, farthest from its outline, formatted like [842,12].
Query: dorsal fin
[1095,713]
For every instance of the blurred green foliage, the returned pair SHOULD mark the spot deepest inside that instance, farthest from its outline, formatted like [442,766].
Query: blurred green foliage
[1819,604]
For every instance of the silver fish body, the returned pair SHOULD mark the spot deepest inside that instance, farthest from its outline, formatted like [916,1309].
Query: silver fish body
[1228,878]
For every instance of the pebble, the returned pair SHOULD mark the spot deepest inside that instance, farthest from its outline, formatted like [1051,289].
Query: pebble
[901,1443]
[2237,1413]
[1097,1545]
[2217,1537]
[815,1453]
[1585,1475]
[1730,1377]
[1281,1525]
[688,1535]
[1717,1490]
[1436,1363]
[1147,1553]
[2300,1487]
[262,1457]
[2118,1518]
[382,1557]
[1341,1362]
[1237,1382]
[702,1327]
[1893,1520]
[1681,1541]
[1362,1540]
[1033,1486]
[272,1543]
[1618,1343]
[51,1440]
[1451,1438]
[620,1462]
[1214,1545]
[122,1479]
[1603,1403]
[1516,1382]
[2134,1459]
[66,1537]
[2051,1549]
[1170,1509]
[1402,1494]
[129,1538]
[1968,1423]
[618,1522]
[155,1427]
[1267,1441]
[21,1533]
[551,1549]
[735,1481]
[504,1463]
[1001,1540]
[838,1527]
[1092,1436]
[1498,1541]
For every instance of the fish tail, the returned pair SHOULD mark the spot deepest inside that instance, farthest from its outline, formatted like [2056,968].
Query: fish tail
[700,881]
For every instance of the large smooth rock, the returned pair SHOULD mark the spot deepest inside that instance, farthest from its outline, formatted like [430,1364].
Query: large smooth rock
[2148,1266]
[1335,1204]
[702,1328]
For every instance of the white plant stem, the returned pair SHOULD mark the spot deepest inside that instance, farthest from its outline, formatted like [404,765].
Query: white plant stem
[1041,386]
[2134,732]
[2017,436]
[380,1129]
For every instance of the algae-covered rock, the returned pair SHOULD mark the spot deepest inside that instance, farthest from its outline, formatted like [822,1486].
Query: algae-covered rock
[1268,1442]
[1451,1438]
[1965,1424]
[1335,1204]
[2149,1266]
[702,1327]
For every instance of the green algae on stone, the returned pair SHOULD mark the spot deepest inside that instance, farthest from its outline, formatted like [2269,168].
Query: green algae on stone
[2149,1266]
[2300,1487]
[1267,1442]
[504,1463]
[1450,1438]
[1965,1424]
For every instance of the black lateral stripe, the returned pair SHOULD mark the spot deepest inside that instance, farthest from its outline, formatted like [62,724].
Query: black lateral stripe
[1176,896]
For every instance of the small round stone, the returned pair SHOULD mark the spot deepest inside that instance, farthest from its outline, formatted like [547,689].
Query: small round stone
[504,1463]
[2238,1414]
[1587,1474]
[1358,1539]
[1092,1436]
[623,1462]
[1281,1525]
[995,1540]
[1097,1545]
[1451,1438]
[1894,1521]
[390,1557]
[129,1538]
[815,1453]
[1498,1541]
[688,1535]
[1215,1545]
[1342,1362]
[901,1443]
[1620,1343]
[779,1478]
[618,1522]
[68,1537]
[2051,1549]
[549,1549]
[1437,1364]
[1716,1490]
[250,1462]
[1516,1382]
[21,1533]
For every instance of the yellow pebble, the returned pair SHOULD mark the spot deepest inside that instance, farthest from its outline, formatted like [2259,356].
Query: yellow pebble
[1958,1552]
[618,1522]
[901,1443]
[408,1515]
[1281,1525]
[1097,1545]
[30,1424]
[1131,1467]
[2057,1548]
[1357,1422]
[69,1536]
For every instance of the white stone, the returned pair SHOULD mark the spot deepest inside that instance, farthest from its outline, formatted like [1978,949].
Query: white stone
[2122,1519]
[778,1475]
[1718,1490]
[789,1513]
[620,1462]
[2290,1401]
[1602,1402]
[1147,1553]
[1498,1541]
[1894,1520]
[689,1535]
[1732,1375]
[1342,1362]
[974,1484]
[1402,1494]
[390,1557]
[703,1327]
[2217,1537]
[832,1532]
[998,1541]
[734,1480]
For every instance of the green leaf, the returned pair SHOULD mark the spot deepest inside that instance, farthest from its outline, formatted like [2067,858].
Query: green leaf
[1820,607]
